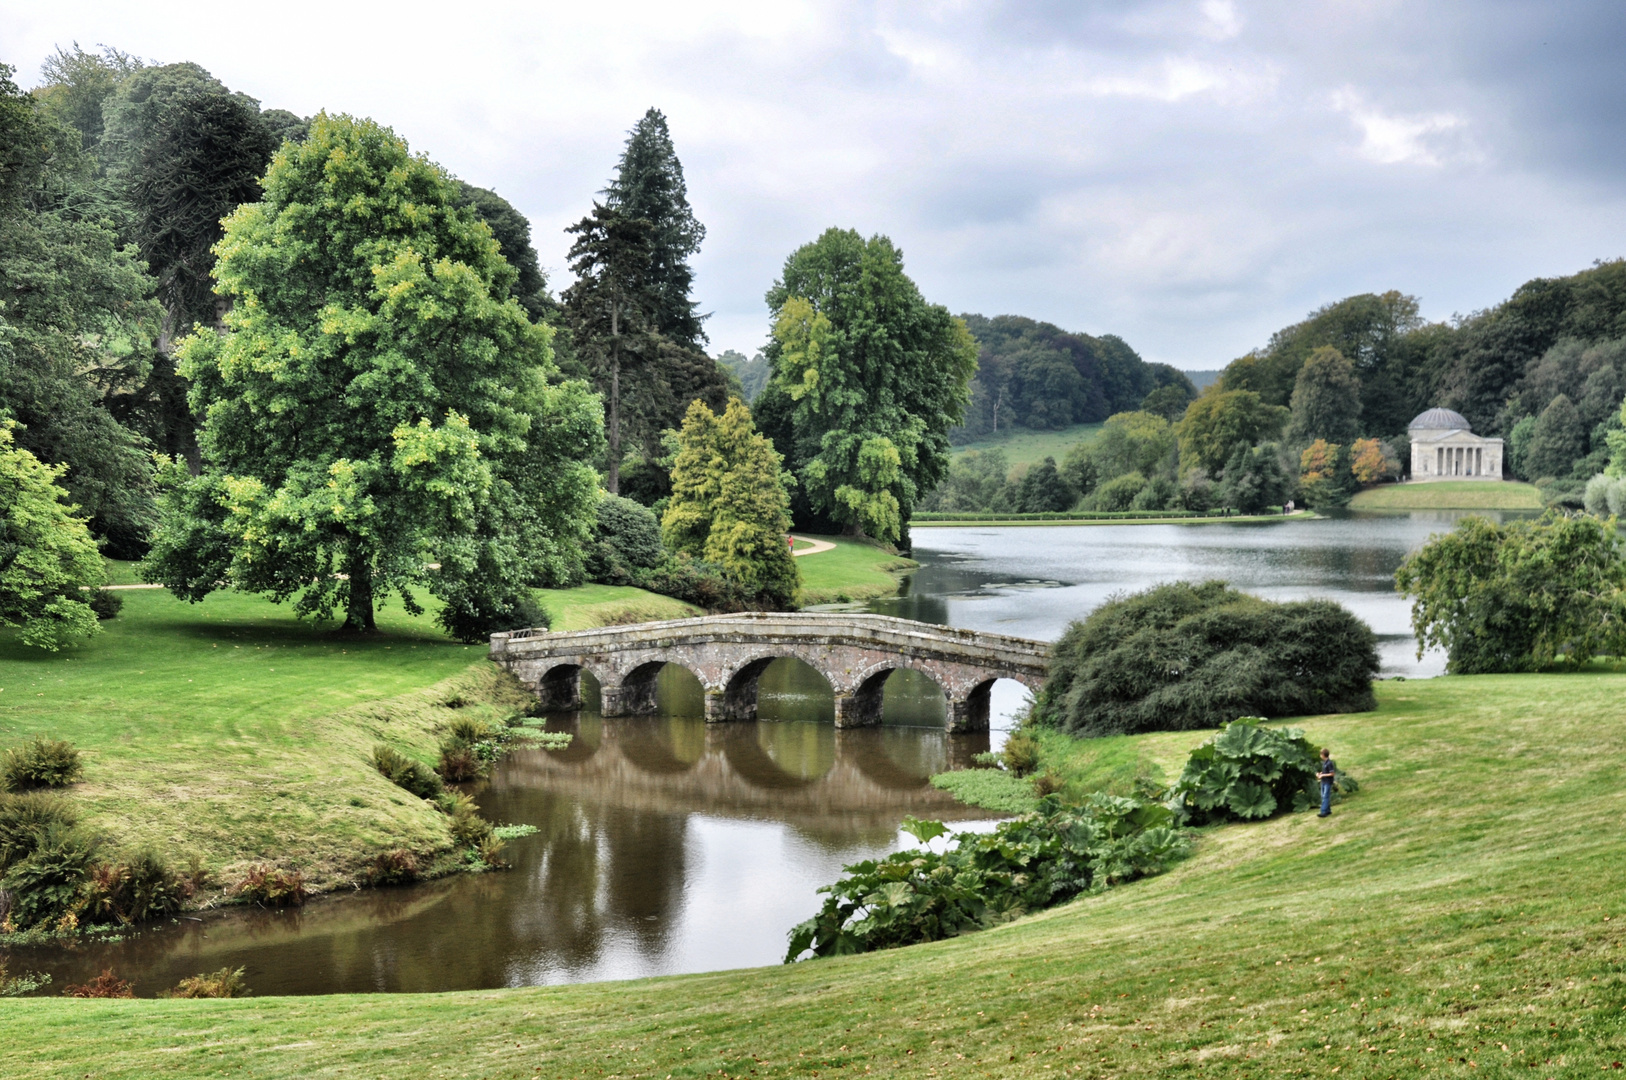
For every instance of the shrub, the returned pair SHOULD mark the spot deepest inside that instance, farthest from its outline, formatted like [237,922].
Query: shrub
[1021,753]
[40,764]
[398,867]
[105,603]
[491,849]
[628,540]
[225,983]
[45,883]
[459,763]
[469,729]
[468,828]
[105,985]
[270,887]
[1605,495]
[22,817]
[1519,596]
[693,581]
[1034,862]
[406,773]
[1182,656]
[135,891]
[473,611]
[1247,772]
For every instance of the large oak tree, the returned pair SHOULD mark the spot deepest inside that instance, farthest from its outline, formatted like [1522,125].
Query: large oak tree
[377,403]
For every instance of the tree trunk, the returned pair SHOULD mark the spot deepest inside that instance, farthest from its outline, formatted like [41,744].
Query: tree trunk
[613,483]
[359,615]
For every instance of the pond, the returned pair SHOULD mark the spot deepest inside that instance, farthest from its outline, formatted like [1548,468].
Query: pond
[666,845]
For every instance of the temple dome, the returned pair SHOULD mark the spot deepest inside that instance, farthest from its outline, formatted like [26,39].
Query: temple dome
[1439,420]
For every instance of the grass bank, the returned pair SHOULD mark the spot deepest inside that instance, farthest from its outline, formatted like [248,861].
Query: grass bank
[854,571]
[1025,447]
[231,731]
[1450,495]
[587,606]
[1462,916]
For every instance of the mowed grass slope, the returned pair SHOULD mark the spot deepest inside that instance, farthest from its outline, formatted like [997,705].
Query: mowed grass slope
[1025,446]
[231,731]
[853,571]
[1450,495]
[1464,915]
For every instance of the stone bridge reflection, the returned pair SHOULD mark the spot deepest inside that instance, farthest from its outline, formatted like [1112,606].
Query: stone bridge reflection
[814,777]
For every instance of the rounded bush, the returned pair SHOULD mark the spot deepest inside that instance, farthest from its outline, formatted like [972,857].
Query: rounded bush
[1180,656]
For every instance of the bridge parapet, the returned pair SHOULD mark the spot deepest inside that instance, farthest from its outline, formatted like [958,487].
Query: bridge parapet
[728,653]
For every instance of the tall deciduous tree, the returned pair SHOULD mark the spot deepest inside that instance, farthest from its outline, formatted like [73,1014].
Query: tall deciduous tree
[47,558]
[609,308]
[77,82]
[76,322]
[1557,440]
[649,184]
[729,505]
[378,401]
[868,378]
[1326,401]
[1220,422]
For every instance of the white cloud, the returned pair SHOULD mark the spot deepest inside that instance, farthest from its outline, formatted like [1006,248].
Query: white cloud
[1395,140]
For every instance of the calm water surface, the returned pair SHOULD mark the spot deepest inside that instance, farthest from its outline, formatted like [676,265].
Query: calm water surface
[667,845]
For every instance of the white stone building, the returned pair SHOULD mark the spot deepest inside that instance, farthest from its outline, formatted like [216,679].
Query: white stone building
[1444,447]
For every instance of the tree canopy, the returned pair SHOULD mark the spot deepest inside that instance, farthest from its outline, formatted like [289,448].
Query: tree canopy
[649,185]
[868,377]
[1326,402]
[728,504]
[378,401]
[1222,421]
[47,558]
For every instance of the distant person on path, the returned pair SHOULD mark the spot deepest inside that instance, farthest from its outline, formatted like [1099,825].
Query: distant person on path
[1328,773]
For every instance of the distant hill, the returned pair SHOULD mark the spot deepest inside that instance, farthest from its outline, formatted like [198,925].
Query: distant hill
[751,375]
[1036,375]
[1203,379]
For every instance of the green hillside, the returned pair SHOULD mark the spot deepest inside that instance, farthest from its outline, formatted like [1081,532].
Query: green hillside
[1461,916]
[1025,447]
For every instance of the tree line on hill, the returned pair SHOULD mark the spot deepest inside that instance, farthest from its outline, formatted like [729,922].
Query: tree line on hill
[1329,400]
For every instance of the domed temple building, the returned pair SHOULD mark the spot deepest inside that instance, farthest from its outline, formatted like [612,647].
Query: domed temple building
[1444,447]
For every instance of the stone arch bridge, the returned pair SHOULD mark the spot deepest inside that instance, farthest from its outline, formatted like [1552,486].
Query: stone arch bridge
[728,653]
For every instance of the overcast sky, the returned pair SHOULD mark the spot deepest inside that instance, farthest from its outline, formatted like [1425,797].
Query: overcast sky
[1189,175]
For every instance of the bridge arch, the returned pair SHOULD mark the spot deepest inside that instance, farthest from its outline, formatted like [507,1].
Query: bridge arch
[637,691]
[559,688]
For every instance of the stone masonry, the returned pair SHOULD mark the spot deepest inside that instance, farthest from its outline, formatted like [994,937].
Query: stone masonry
[728,653]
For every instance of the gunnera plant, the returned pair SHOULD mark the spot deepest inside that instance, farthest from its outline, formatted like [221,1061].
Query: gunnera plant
[225,983]
[1248,772]
[406,773]
[1179,657]
[42,763]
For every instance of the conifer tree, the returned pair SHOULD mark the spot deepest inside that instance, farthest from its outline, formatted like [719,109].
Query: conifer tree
[649,185]
[729,505]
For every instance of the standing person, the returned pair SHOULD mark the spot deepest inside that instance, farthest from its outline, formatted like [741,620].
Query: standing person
[1328,773]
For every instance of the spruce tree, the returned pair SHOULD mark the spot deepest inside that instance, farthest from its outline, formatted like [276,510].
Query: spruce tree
[649,184]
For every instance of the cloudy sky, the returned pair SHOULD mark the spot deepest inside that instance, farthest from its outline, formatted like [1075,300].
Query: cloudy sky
[1190,175]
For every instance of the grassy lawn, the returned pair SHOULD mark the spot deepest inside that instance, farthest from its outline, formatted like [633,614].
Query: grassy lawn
[231,731]
[1025,447]
[853,571]
[587,606]
[1462,916]
[1450,495]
